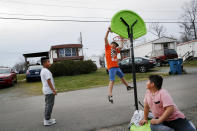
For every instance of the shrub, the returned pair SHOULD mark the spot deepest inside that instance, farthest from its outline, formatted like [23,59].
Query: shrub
[67,68]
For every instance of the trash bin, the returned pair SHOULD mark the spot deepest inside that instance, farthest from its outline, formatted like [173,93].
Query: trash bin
[180,67]
[175,66]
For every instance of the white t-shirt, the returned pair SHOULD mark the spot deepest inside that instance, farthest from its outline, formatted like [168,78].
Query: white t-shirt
[45,75]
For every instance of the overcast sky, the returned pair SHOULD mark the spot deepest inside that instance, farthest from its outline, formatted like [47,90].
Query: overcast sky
[22,36]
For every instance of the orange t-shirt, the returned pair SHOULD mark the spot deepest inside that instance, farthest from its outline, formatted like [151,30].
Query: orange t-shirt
[111,56]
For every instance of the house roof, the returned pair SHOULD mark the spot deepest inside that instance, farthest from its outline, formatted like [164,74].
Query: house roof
[187,42]
[67,46]
[163,40]
[38,54]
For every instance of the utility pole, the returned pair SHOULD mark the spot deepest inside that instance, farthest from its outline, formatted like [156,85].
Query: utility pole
[81,42]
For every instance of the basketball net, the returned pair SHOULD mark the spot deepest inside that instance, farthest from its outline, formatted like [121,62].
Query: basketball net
[119,40]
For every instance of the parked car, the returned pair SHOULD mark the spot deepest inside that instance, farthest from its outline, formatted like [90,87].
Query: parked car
[162,56]
[33,73]
[141,64]
[7,76]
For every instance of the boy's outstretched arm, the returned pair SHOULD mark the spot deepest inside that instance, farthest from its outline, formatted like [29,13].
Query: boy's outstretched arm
[168,111]
[106,36]
[121,45]
[146,111]
[51,86]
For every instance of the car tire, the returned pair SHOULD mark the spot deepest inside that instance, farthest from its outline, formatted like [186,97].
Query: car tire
[15,80]
[27,79]
[107,71]
[142,69]
[12,84]
[159,63]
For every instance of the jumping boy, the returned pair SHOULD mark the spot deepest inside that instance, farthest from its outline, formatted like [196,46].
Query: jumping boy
[167,116]
[112,64]
[48,90]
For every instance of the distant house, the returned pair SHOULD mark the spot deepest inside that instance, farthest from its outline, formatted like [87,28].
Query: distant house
[150,48]
[66,52]
[187,49]
[96,60]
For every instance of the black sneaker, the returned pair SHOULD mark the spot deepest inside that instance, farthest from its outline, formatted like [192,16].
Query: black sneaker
[129,88]
[110,98]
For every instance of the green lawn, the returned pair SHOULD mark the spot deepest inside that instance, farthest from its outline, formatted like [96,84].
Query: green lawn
[192,63]
[84,81]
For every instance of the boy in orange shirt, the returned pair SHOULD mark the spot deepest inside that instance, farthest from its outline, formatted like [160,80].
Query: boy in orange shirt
[111,51]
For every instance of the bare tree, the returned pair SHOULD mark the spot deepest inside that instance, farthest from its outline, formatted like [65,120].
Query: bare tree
[189,16]
[186,34]
[102,60]
[20,66]
[157,30]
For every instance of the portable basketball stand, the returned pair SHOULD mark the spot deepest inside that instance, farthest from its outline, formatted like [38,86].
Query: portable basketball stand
[130,35]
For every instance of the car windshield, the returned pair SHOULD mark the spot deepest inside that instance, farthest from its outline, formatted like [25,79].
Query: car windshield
[170,51]
[35,67]
[4,70]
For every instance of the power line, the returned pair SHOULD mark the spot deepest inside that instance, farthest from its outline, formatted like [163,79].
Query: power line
[62,6]
[83,7]
[71,20]
[52,16]
[9,18]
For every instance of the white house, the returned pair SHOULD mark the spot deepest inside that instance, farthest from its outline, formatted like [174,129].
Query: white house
[187,49]
[66,52]
[95,59]
[150,48]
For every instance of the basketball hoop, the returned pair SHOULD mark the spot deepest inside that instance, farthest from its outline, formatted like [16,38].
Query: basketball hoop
[125,41]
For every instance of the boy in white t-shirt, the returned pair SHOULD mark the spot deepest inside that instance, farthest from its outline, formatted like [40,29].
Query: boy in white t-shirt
[48,90]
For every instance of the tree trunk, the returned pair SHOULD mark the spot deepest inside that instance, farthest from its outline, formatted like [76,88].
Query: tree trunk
[195,36]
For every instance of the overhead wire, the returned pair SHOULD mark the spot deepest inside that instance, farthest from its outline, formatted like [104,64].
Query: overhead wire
[63,6]
[52,16]
[83,7]
[72,20]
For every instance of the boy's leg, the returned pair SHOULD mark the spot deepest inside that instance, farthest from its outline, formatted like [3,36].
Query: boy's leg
[121,75]
[124,81]
[160,127]
[111,85]
[112,73]
[49,102]
[180,125]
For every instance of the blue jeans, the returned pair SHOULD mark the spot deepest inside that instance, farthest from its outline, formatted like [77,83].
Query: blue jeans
[175,125]
[115,71]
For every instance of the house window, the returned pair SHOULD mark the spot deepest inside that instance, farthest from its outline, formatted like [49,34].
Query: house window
[74,52]
[68,51]
[61,52]
[165,45]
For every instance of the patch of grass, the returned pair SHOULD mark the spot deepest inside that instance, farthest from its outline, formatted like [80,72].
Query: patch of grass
[84,81]
[21,77]
[192,63]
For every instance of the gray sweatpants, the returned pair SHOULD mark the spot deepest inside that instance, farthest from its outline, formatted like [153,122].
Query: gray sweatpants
[49,102]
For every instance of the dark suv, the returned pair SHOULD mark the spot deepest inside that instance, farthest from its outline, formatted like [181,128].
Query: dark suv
[162,56]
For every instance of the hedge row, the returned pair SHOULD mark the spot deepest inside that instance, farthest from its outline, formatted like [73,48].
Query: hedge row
[68,68]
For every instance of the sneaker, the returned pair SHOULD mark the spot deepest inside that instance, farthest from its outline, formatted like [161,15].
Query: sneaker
[49,122]
[129,88]
[53,120]
[110,98]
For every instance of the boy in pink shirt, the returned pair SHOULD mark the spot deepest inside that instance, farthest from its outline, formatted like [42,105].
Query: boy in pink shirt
[167,116]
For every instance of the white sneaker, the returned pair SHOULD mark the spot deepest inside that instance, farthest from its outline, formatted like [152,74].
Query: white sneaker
[49,122]
[52,120]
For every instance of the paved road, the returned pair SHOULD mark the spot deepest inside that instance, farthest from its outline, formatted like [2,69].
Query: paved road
[89,109]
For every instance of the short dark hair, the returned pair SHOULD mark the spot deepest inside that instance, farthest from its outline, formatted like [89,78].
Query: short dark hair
[113,42]
[44,59]
[157,80]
